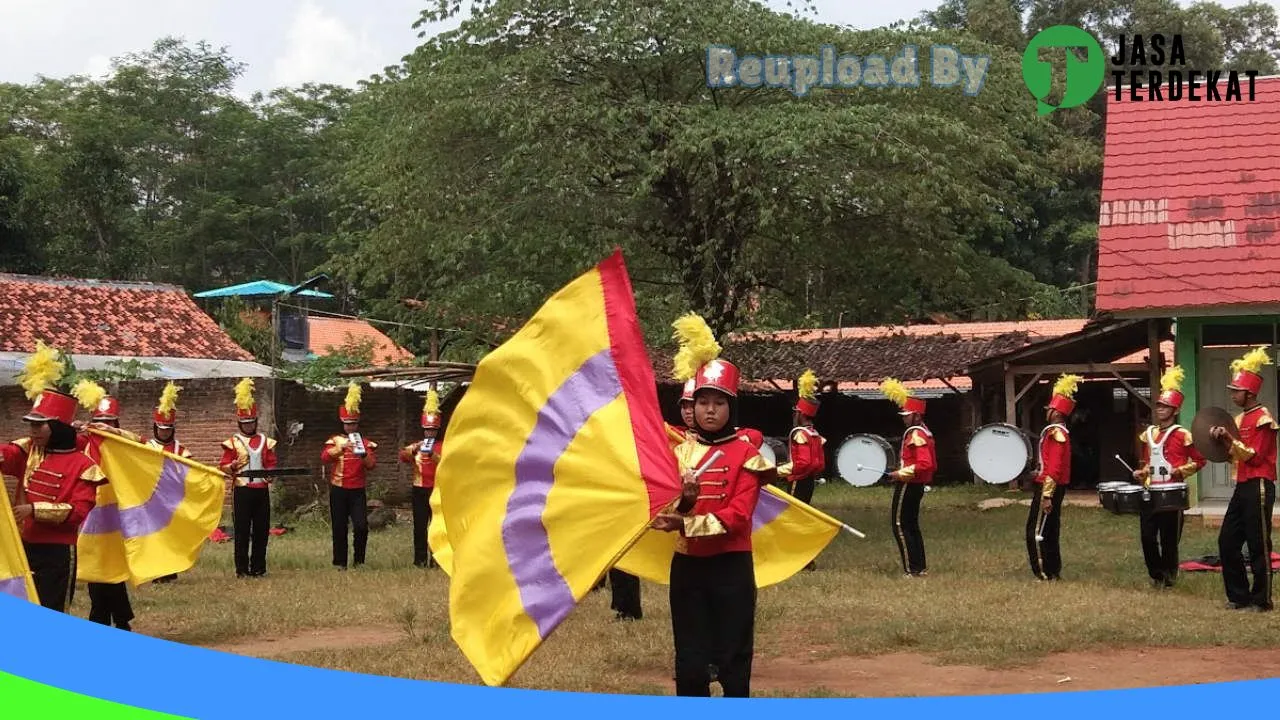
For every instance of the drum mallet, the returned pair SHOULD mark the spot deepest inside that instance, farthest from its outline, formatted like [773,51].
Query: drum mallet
[1125,464]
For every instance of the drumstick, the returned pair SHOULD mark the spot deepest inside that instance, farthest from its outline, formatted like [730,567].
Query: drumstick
[882,472]
[1125,464]
[1040,530]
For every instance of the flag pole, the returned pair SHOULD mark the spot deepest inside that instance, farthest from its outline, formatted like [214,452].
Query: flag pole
[813,511]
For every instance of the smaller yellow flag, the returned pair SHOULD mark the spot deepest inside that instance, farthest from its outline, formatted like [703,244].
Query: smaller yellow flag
[15,573]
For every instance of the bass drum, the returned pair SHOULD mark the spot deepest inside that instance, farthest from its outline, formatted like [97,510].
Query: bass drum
[863,459]
[1000,453]
[776,450]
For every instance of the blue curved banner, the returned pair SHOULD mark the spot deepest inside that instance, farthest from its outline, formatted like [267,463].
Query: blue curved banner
[77,656]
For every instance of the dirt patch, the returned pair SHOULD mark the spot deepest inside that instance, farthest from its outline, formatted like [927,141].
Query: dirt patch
[308,640]
[911,675]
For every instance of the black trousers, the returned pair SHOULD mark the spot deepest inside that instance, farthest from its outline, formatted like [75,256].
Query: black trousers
[1248,523]
[803,491]
[906,526]
[1160,534]
[348,506]
[421,500]
[53,569]
[713,611]
[626,595]
[1045,555]
[252,510]
[109,604]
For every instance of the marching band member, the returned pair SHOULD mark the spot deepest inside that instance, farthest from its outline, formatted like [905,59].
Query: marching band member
[351,457]
[108,602]
[1168,456]
[807,457]
[57,483]
[918,460]
[676,435]
[251,496]
[1248,518]
[163,436]
[1045,519]
[713,588]
[424,456]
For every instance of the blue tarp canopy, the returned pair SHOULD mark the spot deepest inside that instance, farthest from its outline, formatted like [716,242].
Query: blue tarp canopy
[258,288]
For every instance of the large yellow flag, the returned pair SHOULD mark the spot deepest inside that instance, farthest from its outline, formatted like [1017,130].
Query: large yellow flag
[165,508]
[437,535]
[557,463]
[15,573]
[786,535]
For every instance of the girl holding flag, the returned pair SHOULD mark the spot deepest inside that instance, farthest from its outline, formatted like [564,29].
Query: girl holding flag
[713,585]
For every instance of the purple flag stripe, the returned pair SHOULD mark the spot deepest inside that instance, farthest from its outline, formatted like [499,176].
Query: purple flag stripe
[17,587]
[544,592]
[768,508]
[156,513]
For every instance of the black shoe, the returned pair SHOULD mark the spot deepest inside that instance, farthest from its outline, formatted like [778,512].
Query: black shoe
[810,567]
[1237,606]
[125,627]
[240,575]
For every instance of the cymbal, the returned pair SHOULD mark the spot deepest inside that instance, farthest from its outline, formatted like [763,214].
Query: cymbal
[1206,419]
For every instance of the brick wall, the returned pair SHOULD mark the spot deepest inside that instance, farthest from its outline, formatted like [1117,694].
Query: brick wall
[206,417]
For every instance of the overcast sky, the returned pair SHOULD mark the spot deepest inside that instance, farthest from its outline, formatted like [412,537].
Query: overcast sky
[283,42]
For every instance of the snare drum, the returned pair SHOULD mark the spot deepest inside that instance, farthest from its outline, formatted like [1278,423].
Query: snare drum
[999,453]
[1128,499]
[1168,497]
[1107,494]
[873,453]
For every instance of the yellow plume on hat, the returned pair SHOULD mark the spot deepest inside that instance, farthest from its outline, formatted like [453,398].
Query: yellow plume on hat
[1253,361]
[42,371]
[244,395]
[1172,379]
[807,385]
[432,404]
[169,398]
[698,345]
[352,402]
[89,393]
[1066,386]
[895,391]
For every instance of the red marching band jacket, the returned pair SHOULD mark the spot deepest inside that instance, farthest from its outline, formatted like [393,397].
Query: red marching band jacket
[919,456]
[61,487]
[237,448]
[424,464]
[173,446]
[1255,452]
[808,459]
[720,520]
[1055,458]
[347,471]
[1179,452]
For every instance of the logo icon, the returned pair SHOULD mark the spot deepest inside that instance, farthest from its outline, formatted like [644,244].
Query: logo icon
[1083,78]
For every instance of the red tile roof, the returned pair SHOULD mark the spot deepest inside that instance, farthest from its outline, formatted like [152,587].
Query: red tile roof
[93,317]
[330,334]
[1190,214]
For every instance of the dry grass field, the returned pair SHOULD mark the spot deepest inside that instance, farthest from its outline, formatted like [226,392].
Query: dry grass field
[978,624]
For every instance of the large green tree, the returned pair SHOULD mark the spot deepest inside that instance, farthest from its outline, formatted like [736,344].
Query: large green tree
[509,154]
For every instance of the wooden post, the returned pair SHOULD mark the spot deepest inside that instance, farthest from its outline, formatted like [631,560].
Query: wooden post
[1010,398]
[1155,359]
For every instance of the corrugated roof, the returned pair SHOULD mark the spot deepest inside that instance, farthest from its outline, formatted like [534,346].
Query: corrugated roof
[1190,207]
[95,317]
[258,288]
